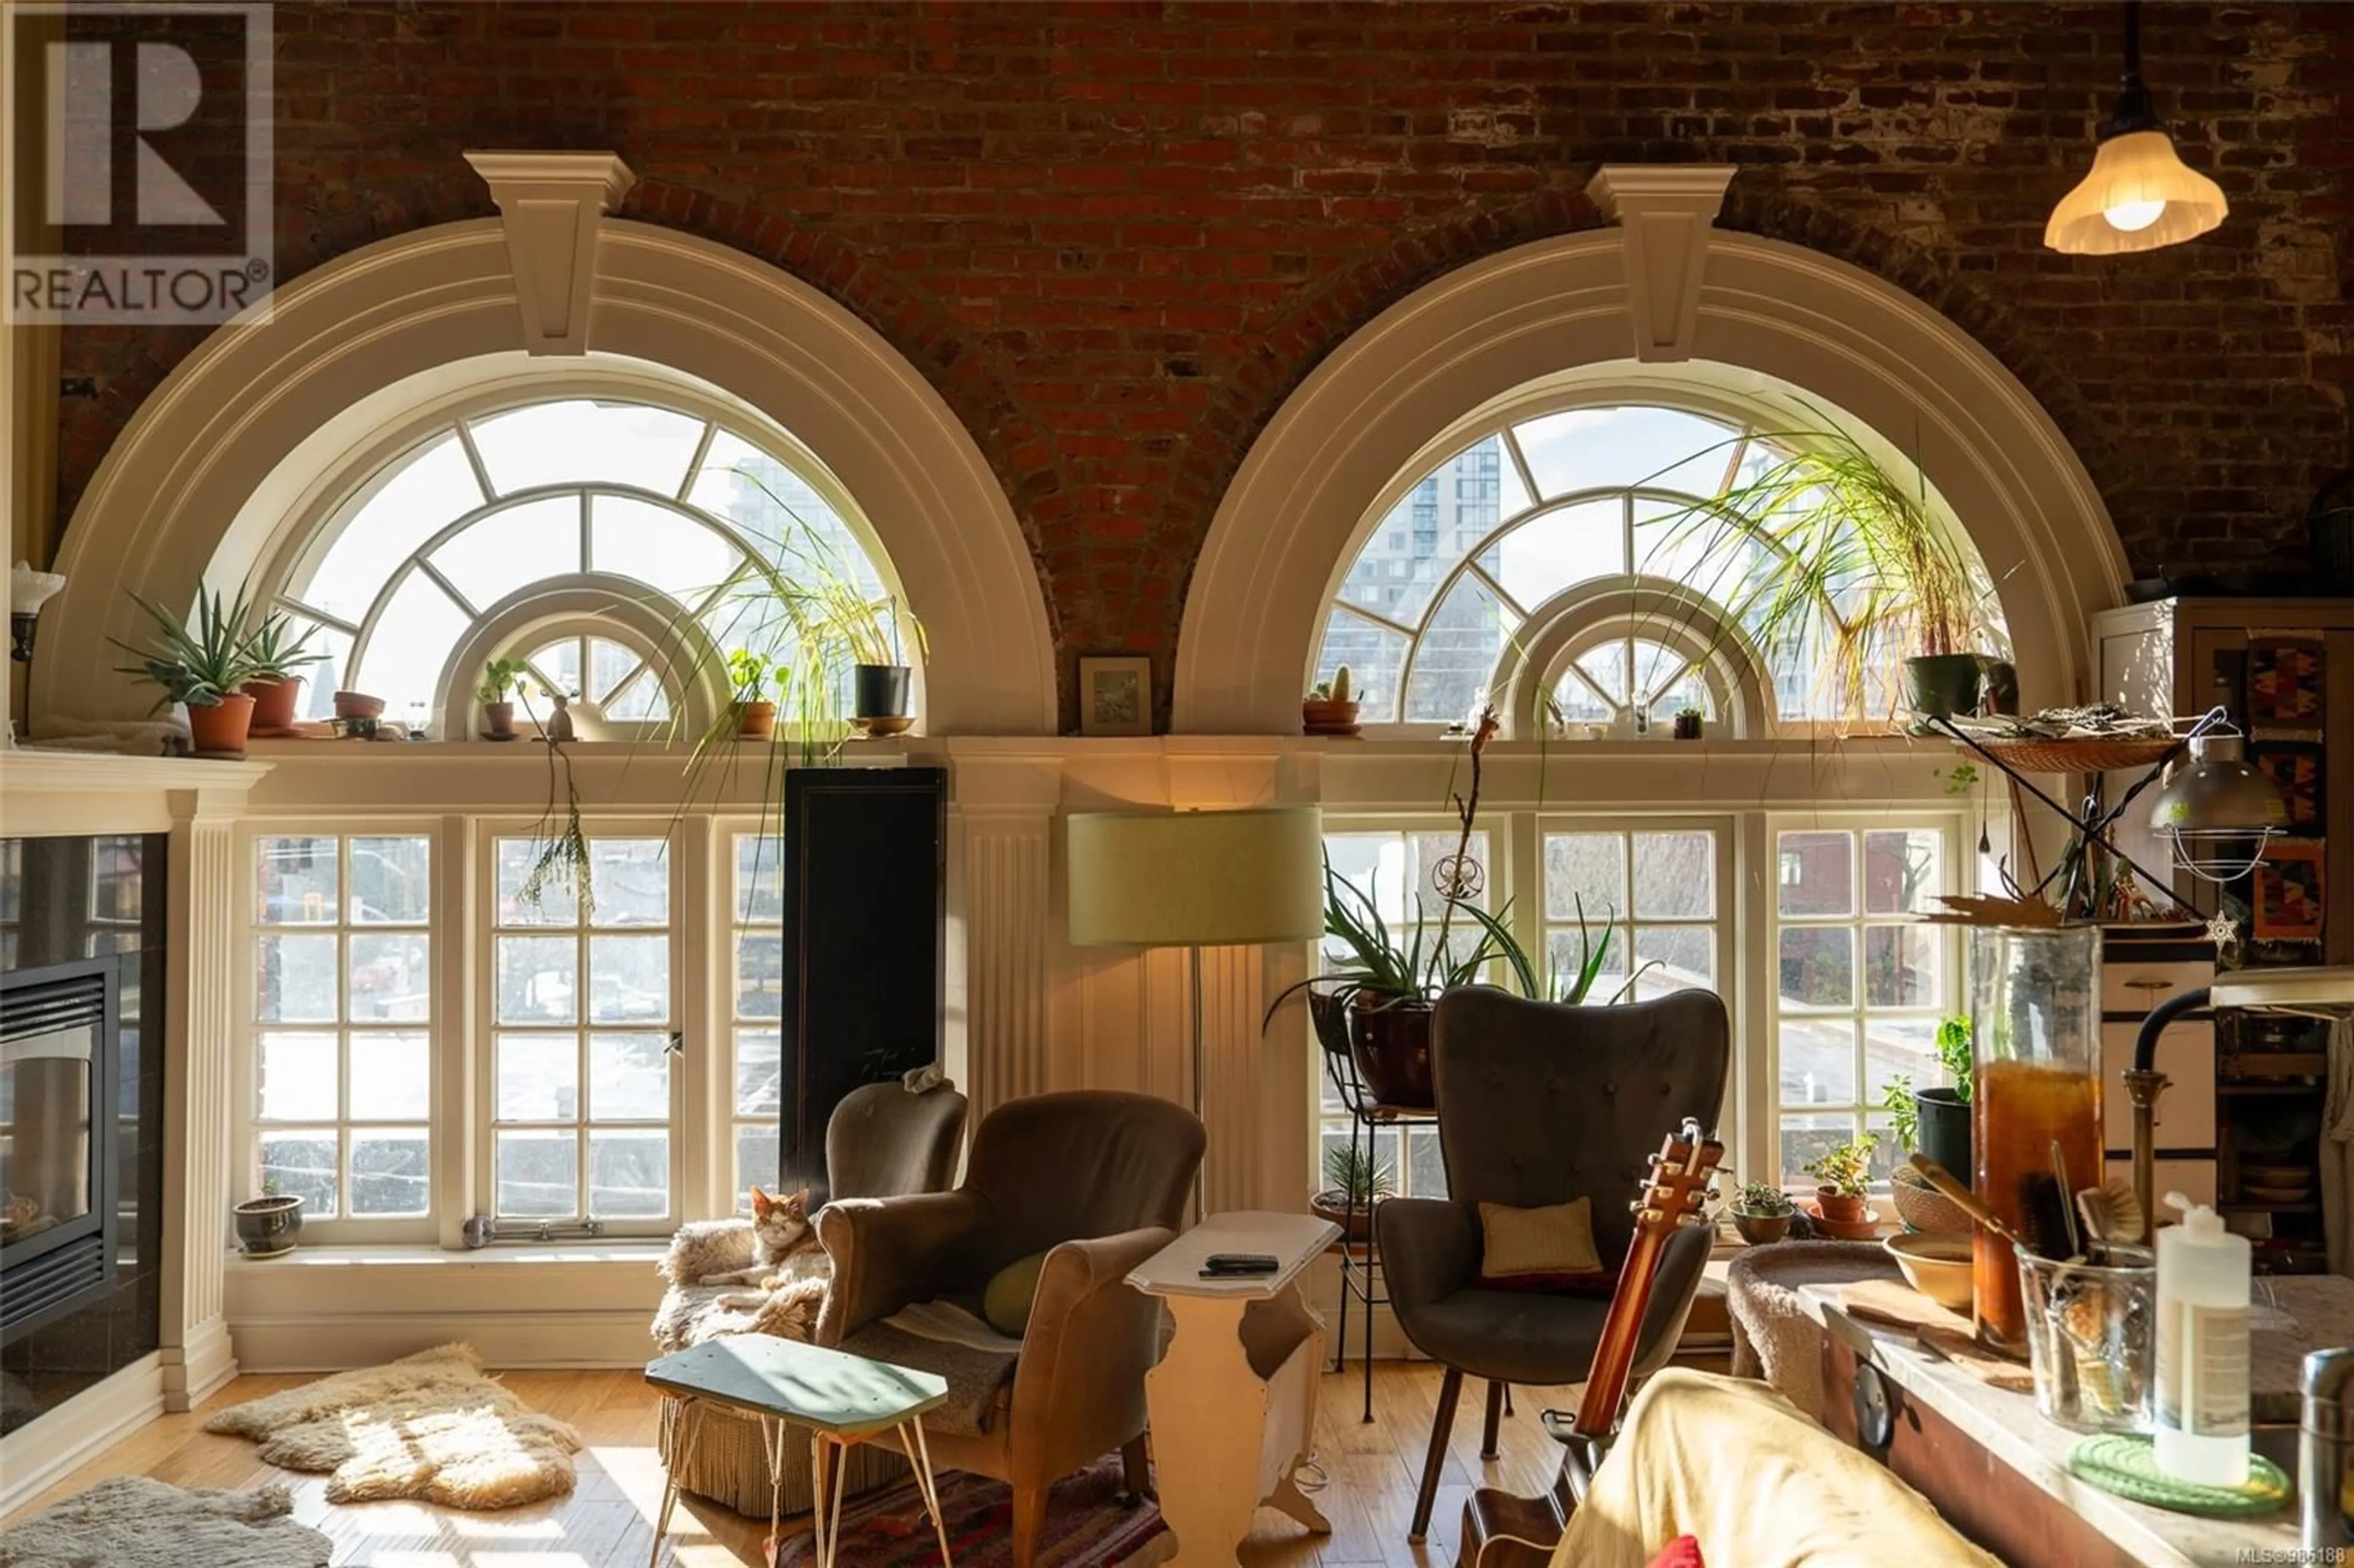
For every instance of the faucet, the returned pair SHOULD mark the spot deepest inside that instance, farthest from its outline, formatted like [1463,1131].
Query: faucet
[2324,1441]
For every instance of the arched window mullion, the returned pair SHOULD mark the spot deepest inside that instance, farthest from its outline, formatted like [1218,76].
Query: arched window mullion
[465,430]
[442,581]
[1471,565]
[695,464]
[311,612]
[1512,445]
[1359,611]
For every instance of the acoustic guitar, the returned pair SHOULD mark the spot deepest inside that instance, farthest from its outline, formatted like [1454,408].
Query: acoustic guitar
[1503,1530]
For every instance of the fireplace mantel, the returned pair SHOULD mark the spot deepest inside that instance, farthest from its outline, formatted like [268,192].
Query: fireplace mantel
[48,793]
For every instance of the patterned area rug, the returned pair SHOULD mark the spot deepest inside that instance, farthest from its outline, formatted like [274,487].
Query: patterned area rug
[134,1520]
[429,1427]
[1089,1525]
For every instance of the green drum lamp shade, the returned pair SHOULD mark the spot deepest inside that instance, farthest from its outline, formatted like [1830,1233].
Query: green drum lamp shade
[1196,879]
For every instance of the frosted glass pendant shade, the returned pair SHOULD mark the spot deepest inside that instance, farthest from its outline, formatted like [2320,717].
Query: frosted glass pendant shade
[2140,196]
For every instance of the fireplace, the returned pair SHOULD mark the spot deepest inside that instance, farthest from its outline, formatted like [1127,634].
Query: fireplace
[81,1115]
[60,1130]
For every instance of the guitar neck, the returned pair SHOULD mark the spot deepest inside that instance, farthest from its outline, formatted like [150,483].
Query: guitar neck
[1614,1352]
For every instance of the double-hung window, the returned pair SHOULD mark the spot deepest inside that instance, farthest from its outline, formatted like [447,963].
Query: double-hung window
[757,968]
[339,1017]
[583,1036]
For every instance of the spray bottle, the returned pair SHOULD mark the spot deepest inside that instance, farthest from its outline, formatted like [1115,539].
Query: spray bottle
[2202,1348]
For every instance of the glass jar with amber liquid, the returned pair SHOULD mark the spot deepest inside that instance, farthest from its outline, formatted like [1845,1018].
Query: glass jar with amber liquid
[2035,1037]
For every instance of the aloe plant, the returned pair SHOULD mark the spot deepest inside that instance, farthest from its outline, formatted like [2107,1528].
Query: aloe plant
[275,651]
[1357,1175]
[197,662]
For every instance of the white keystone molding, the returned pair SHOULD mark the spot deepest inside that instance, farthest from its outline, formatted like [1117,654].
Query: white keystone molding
[1664,212]
[550,205]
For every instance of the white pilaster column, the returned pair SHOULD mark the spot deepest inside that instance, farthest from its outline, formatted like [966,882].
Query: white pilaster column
[1008,925]
[200,1157]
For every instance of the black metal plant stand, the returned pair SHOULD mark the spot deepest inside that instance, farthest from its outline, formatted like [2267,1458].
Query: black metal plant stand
[1361,1265]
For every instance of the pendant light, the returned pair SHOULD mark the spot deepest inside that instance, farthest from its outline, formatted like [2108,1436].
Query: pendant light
[2215,811]
[2139,194]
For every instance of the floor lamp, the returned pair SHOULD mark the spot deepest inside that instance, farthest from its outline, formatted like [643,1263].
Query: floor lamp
[1195,880]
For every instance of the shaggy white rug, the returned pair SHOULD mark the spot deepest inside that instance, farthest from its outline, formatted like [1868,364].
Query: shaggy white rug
[429,1426]
[136,1519]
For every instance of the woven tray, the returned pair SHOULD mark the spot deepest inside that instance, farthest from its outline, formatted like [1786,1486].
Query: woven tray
[2097,755]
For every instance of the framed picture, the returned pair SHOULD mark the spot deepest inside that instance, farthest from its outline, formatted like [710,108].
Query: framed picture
[2290,894]
[1116,696]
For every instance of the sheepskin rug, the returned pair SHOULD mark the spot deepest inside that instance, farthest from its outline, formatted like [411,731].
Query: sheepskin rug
[429,1427]
[134,1520]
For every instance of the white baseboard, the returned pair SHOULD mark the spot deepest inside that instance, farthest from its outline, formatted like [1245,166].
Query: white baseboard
[553,1338]
[193,1371]
[91,1422]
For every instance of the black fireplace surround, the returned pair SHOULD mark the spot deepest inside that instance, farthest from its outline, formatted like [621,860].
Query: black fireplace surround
[81,1114]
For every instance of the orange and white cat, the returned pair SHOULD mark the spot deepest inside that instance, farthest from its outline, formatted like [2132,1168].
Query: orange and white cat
[780,1232]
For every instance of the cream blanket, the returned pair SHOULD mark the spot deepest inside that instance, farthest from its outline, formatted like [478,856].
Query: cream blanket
[1734,1464]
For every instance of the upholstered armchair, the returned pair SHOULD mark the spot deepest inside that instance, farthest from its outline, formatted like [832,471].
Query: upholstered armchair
[1541,1104]
[1098,1182]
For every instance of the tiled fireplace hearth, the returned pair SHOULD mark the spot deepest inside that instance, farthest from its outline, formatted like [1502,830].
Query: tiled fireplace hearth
[82,1123]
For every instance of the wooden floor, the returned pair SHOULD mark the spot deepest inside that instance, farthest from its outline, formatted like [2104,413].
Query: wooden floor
[1371,1473]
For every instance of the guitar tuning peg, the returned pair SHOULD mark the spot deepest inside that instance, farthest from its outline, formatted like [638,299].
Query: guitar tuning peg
[1636,1207]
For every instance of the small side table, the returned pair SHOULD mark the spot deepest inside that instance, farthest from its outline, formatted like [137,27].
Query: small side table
[1234,1403]
[842,1399]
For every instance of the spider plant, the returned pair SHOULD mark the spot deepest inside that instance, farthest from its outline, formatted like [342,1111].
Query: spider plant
[274,651]
[1825,557]
[195,662]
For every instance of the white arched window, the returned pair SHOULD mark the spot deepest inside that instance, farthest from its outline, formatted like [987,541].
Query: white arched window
[1573,562]
[587,537]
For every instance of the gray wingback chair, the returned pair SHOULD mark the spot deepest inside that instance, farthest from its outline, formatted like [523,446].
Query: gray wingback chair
[1540,1104]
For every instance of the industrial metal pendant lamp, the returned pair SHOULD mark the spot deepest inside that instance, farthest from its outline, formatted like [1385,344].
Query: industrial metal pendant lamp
[2215,811]
[2139,194]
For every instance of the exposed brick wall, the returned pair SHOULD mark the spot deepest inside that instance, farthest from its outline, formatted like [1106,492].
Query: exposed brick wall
[1116,235]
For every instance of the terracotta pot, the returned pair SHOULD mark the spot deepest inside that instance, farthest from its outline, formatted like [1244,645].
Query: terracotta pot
[220,730]
[1327,717]
[358,705]
[268,1226]
[1759,1229]
[1840,1207]
[274,701]
[756,721]
[498,719]
[1356,1225]
[1390,1040]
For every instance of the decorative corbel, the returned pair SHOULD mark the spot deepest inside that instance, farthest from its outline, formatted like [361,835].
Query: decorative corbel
[551,204]
[1664,212]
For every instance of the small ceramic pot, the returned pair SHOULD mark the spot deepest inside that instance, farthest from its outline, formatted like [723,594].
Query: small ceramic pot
[1939,686]
[268,1226]
[1759,1229]
[880,691]
[1688,726]
[1998,684]
[1390,1040]
[1322,716]
[498,719]
[274,701]
[756,721]
[1356,1225]
[219,729]
[1840,1207]
[358,705]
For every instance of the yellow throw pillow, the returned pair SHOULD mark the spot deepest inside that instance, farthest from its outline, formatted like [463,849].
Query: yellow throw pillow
[1539,1249]
[1006,1303]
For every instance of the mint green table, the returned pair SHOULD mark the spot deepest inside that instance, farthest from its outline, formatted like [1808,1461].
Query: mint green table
[842,1399]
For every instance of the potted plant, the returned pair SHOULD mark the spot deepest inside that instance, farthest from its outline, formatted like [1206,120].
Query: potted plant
[1359,1181]
[748,677]
[501,676]
[1687,724]
[271,1225]
[1331,706]
[1762,1212]
[1845,1174]
[275,652]
[1827,557]
[201,665]
[882,683]
[1944,1114]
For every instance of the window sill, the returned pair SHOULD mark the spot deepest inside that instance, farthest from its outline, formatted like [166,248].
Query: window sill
[643,1253]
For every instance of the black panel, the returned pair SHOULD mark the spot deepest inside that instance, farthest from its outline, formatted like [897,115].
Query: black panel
[865,917]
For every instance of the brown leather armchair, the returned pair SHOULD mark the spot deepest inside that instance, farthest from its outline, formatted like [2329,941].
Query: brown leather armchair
[1102,1180]
[1538,1104]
